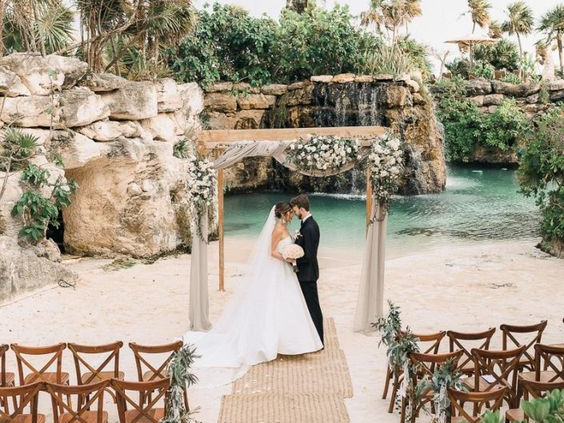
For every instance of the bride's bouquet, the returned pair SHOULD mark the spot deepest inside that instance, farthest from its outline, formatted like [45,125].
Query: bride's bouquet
[292,252]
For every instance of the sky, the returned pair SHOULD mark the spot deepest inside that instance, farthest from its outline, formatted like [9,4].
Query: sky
[441,20]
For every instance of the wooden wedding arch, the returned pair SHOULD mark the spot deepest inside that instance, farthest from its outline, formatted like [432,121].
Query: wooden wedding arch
[213,143]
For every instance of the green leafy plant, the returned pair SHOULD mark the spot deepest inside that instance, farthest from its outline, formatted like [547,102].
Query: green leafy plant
[444,377]
[181,148]
[37,210]
[181,378]
[492,417]
[503,54]
[541,175]
[549,409]
[505,126]
[389,326]
[511,78]
[483,70]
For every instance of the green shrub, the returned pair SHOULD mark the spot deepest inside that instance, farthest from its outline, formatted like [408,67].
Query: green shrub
[459,67]
[541,171]
[483,70]
[506,126]
[464,126]
[319,42]
[511,78]
[228,44]
[231,45]
[502,55]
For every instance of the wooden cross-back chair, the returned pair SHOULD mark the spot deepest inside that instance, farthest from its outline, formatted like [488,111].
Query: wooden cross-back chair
[425,365]
[528,335]
[82,410]
[495,368]
[490,400]
[465,341]
[22,397]
[141,411]
[152,362]
[549,367]
[89,373]
[54,356]
[429,343]
[6,378]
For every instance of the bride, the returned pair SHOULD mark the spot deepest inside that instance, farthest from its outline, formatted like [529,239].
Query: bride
[267,315]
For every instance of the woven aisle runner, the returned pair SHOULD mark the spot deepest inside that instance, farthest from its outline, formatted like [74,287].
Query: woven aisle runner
[310,388]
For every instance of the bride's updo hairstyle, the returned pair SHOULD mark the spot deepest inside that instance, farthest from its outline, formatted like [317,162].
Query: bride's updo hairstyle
[282,208]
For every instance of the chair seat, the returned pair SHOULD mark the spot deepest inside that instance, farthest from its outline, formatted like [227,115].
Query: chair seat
[86,416]
[483,385]
[10,378]
[514,414]
[156,413]
[50,377]
[545,376]
[28,418]
[100,376]
[150,375]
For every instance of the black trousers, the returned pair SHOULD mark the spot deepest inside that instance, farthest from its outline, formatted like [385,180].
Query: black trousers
[309,290]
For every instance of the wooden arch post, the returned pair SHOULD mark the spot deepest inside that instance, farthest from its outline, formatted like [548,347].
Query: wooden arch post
[219,140]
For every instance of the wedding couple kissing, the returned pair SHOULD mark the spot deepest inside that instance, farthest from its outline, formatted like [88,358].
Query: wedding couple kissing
[275,308]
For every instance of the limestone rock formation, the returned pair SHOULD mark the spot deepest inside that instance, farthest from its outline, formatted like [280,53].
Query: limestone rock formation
[115,139]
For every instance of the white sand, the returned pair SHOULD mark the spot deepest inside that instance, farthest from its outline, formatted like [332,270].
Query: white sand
[465,288]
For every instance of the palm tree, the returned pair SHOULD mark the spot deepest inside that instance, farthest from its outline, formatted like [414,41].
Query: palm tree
[137,30]
[519,21]
[478,10]
[391,14]
[43,26]
[495,30]
[552,23]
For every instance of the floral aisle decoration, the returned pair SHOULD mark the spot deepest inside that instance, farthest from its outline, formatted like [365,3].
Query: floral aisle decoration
[201,187]
[385,162]
[181,379]
[323,153]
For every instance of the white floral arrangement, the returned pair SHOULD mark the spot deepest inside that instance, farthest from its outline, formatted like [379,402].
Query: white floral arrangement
[385,162]
[321,153]
[201,186]
[292,252]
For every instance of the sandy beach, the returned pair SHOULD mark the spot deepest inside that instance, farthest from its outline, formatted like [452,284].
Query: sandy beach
[469,287]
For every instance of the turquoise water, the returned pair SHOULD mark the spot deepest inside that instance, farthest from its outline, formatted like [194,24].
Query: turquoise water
[478,204]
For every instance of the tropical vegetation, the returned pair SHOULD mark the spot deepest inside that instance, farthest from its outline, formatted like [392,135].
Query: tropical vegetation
[541,175]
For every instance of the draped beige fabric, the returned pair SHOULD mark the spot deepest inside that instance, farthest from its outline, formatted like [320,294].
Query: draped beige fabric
[277,149]
[370,303]
[199,303]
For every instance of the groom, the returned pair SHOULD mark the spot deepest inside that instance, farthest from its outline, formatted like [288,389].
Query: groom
[308,268]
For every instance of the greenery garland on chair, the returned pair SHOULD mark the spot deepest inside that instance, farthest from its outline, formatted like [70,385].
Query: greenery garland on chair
[180,380]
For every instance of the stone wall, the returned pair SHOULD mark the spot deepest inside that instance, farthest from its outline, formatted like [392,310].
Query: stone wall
[340,100]
[116,141]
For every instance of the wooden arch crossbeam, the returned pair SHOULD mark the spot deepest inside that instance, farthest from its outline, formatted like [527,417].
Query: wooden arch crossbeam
[218,140]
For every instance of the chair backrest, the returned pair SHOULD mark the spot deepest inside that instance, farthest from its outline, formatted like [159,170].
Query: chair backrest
[144,411]
[551,359]
[528,335]
[429,343]
[83,366]
[501,366]
[54,355]
[26,394]
[536,389]
[3,349]
[490,400]
[426,363]
[144,364]
[465,341]
[87,396]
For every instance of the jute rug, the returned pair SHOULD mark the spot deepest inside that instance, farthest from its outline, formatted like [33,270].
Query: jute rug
[293,389]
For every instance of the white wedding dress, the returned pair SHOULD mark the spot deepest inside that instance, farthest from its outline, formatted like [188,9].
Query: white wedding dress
[267,316]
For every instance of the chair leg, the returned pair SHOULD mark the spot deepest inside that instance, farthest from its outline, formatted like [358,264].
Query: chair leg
[387,382]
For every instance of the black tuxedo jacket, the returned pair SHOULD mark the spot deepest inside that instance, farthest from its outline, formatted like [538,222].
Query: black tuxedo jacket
[308,268]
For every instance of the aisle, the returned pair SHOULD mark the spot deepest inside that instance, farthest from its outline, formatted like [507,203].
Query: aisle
[293,389]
